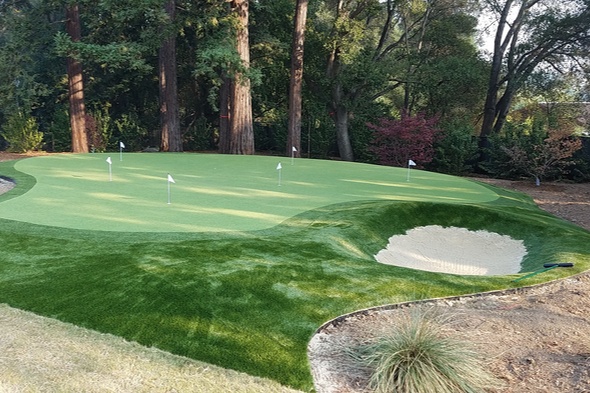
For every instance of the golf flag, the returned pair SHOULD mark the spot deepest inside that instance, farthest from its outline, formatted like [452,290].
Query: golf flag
[410,164]
[170,180]
[294,149]
[279,167]
[110,170]
[121,147]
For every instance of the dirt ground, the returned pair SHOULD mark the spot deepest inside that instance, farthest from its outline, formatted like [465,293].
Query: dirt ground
[535,340]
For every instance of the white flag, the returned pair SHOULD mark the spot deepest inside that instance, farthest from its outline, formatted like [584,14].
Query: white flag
[411,163]
[121,145]
[109,160]
[170,179]
[279,166]
[294,149]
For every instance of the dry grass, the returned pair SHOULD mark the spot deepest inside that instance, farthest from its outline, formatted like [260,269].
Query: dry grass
[40,354]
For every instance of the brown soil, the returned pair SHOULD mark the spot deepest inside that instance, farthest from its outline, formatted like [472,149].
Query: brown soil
[536,340]
[533,339]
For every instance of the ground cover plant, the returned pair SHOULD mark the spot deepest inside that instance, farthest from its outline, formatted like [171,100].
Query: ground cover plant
[250,298]
[418,355]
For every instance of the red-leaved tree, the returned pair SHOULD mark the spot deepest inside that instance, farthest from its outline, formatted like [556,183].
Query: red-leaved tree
[396,141]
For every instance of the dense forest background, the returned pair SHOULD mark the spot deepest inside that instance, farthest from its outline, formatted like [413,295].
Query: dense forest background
[493,86]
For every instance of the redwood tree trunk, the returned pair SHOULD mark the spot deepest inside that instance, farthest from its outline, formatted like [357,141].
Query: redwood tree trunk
[241,135]
[294,128]
[224,111]
[76,85]
[171,137]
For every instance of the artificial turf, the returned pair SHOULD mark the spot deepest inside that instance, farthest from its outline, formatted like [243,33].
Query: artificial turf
[251,299]
[211,192]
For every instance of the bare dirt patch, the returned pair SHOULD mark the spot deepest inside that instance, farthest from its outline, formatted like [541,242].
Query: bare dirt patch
[535,340]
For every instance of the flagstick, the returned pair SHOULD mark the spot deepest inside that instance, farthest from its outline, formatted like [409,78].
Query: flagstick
[408,179]
[120,153]
[110,170]
[279,177]
[168,192]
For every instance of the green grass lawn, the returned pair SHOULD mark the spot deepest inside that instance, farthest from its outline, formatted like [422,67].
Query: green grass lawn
[239,271]
[211,192]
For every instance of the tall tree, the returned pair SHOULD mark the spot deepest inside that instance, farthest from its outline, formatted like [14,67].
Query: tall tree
[366,40]
[529,34]
[240,133]
[76,84]
[171,136]
[296,80]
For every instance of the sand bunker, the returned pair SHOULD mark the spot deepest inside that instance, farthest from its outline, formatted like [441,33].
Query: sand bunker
[454,251]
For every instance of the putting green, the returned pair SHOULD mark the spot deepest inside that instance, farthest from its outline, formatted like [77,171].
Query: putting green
[211,192]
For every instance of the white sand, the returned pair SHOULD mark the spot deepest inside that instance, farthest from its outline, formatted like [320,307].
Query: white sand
[455,251]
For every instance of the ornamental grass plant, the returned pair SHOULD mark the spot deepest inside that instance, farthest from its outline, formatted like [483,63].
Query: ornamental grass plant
[419,354]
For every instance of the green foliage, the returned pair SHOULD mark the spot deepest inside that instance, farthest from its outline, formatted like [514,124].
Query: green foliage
[199,136]
[22,133]
[126,55]
[130,131]
[418,356]
[98,127]
[456,149]
[530,149]
[319,131]
[59,136]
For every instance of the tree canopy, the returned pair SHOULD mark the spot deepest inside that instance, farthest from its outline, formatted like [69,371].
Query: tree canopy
[228,69]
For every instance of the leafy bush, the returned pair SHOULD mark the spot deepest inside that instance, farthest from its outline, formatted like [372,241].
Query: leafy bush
[530,148]
[417,356]
[455,149]
[59,137]
[200,135]
[22,133]
[98,127]
[395,142]
[131,132]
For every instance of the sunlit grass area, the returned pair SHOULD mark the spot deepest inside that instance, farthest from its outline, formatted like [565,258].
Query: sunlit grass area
[250,298]
[211,192]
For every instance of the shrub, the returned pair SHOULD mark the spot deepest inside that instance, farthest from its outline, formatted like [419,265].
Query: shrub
[22,133]
[532,149]
[98,128]
[131,132]
[455,150]
[395,142]
[417,356]
[59,136]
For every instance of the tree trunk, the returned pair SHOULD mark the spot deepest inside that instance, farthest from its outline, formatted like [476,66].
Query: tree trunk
[241,135]
[342,135]
[502,109]
[76,85]
[171,137]
[224,111]
[294,129]
[501,41]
